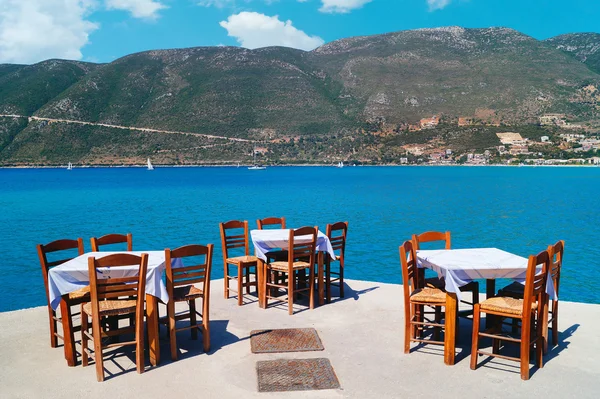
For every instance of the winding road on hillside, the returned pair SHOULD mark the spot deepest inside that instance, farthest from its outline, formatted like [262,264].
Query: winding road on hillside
[139,129]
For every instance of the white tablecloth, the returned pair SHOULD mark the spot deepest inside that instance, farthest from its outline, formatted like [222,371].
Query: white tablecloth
[73,274]
[460,266]
[266,240]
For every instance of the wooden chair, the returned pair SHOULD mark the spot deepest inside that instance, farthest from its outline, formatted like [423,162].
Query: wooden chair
[301,257]
[112,239]
[181,288]
[336,233]
[416,297]
[244,263]
[436,282]
[529,311]
[73,298]
[107,300]
[517,290]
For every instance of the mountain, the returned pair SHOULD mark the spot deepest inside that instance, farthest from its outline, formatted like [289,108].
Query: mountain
[584,46]
[332,102]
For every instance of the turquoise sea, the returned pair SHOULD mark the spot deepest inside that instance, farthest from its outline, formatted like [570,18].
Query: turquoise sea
[520,210]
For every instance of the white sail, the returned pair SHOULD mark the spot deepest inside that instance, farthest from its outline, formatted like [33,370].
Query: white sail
[255,166]
[70,166]
[150,167]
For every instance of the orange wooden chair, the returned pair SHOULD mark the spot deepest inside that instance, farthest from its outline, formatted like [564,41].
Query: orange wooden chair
[416,297]
[529,311]
[73,298]
[114,297]
[110,239]
[336,233]
[301,257]
[517,290]
[434,236]
[234,237]
[181,288]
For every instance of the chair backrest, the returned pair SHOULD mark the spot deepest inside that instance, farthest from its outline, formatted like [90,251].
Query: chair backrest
[271,221]
[190,274]
[556,252]
[56,246]
[117,287]
[410,274]
[535,283]
[234,234]
[431,236]
[336,233]
[304,248]
[112,239]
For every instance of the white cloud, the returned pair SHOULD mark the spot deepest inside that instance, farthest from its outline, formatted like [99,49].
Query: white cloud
[145,9]
[342,6]
[35,30]
[254,30]
[437,4]
[216,3]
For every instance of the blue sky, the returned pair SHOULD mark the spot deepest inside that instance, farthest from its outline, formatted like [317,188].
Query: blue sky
[103,30]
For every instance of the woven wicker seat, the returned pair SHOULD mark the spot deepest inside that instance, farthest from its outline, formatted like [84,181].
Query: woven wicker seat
[514,290]
[187,293]
[428,295]
[242,259]
[112,308]
[80,293]
[283,266]
[505,304]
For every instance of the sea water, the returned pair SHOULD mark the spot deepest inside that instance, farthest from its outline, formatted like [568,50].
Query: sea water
[520,210]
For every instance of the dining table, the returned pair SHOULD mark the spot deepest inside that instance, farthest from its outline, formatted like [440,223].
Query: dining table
[74,274]
[458,267]
[268,239]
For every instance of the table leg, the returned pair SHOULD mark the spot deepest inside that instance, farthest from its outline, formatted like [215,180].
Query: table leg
[68,336]
[450,329]
[152,327]
[320,285]
[490,292]
[260,271]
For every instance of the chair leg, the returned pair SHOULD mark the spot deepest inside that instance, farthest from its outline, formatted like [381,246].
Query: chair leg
[291,280]
[408,328]
[193,322]
[84,338]
[226,281]
[311,287]
[205,330]
[438,319]
[247,282]
[475,337]
[172,332]
[240,285]
[327,266]
[53,327]
[525,337]
[341,279]
[139,338]
[97,334]
[554,323]
[540,343]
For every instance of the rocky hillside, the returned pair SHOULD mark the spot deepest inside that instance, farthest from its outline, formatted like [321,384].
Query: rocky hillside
[584,46]
[326,98]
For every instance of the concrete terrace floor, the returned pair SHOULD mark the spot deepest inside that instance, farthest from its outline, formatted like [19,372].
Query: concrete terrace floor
[362,335]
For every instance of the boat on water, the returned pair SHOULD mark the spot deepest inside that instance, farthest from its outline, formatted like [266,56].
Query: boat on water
[340,165]
[70,166]
[150,167]
[255,166]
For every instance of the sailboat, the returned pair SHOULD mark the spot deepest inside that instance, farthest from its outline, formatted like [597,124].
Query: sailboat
[256,166]
[70,166]
[150,167]
[340,165]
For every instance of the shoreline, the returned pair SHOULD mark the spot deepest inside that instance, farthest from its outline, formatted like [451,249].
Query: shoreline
[286,166]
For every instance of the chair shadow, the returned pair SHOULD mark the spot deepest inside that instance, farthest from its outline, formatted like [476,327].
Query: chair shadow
[349,293]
